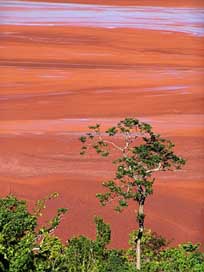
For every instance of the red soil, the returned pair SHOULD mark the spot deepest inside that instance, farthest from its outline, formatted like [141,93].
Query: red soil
[54,77]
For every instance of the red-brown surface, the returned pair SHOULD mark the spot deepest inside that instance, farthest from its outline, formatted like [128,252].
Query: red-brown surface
[57,80]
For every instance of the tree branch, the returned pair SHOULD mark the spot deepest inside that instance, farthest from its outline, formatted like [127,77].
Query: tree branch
[154,169]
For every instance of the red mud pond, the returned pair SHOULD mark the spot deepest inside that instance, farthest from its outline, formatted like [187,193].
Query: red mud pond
[66,65]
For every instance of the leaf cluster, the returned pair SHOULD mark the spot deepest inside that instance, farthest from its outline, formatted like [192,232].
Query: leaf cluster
[20,239]
[138,153]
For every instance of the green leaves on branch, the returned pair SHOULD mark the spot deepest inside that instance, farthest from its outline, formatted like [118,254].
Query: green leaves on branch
[55,221]
[40,205]
[31,252]
[22,246]
[112,131]
[95,128]
[138,152]
[103,232]
[15,220]
[83,139]
[104,198]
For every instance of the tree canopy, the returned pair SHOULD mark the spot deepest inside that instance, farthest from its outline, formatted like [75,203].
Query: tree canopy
[138,153]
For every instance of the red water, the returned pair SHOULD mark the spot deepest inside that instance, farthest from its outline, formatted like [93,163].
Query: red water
[57,80]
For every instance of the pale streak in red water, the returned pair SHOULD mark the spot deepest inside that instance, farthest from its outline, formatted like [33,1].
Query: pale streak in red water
[56,80]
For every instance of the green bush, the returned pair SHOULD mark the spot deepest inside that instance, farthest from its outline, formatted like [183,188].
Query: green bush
[25,248]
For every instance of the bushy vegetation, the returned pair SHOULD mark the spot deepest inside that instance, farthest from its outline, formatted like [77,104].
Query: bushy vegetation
[26,247]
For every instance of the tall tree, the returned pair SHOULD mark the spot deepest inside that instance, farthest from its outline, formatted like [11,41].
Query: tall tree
[138,153]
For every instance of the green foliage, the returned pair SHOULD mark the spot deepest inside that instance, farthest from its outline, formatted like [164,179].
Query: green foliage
[48,254]
[103,232]
[116,261]
[55,221]
[181,259]
[15,220]
[151,245]
[40,204]
[22,247]
[158,257]
[81,254]
[16,228]
[112,131]
[41,251]
[138,152]
[20,255]
[142,153]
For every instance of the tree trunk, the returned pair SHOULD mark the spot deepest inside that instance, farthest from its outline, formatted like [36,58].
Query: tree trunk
[138,254]
[140,218]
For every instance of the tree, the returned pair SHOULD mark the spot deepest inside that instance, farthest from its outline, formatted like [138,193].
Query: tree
[138,153]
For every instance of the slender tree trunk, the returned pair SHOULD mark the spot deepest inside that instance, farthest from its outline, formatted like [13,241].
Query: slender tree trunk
[140,218]
[138,254]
